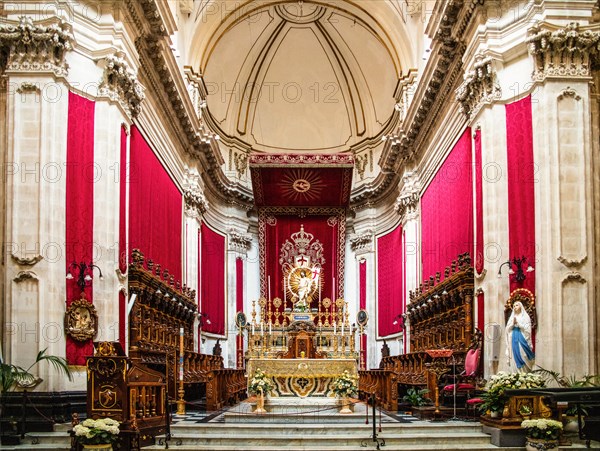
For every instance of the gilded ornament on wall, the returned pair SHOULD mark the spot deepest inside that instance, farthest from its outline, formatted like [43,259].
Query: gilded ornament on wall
[81,320]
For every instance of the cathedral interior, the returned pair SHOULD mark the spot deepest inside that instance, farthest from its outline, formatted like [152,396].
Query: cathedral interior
[203,191]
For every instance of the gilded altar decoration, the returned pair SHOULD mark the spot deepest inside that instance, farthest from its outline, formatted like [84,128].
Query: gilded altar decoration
[301,259]
[307,377]
[81,320]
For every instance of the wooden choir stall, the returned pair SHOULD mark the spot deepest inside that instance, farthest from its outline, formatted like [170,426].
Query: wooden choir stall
[439,322]
[138,389]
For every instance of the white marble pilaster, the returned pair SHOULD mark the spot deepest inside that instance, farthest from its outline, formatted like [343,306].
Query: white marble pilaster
[107,149]
[34,289]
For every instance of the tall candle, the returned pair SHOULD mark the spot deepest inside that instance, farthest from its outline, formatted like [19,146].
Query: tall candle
[334,328]
[333,289]
[342,327]
[262,331]
[319,279]
[181,353]
[270,329]
[284,293]
[269,288]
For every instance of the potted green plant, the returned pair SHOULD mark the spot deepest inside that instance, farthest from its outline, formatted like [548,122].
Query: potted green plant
[416,397]
[541,434]
[494,398]
[96,435]
[571,421]
[493,402]
[14,377]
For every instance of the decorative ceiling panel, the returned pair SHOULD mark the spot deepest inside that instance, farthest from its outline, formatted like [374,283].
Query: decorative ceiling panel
[301,180]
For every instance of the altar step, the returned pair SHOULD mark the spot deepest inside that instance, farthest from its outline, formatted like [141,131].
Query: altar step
[265,436]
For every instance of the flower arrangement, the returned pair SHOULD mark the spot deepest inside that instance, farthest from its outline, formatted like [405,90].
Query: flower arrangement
[97,432]
[494,398]
[260,383]
[542,428]
[345,385]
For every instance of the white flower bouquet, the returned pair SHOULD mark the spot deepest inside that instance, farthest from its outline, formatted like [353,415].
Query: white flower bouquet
[345,385]
[260,383]
[503,381]
[542,428]
[103,431]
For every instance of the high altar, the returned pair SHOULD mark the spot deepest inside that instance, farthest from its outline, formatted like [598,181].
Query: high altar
[302,359]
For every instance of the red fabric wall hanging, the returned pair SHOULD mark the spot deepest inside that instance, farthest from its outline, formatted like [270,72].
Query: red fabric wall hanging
[480,252]
[239,305]
[447,211]
[389,282]
[275,229]
[212,297]
[79,214]
[123,234]
[362,293]
[521,194]
[155,208]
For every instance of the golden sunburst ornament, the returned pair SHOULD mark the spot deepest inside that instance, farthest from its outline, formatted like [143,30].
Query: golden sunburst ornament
[301,184]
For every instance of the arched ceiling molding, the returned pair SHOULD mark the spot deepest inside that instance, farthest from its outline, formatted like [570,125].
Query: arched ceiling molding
[253,71]
[342,56]
[252,74]
[329,25]
[212,19]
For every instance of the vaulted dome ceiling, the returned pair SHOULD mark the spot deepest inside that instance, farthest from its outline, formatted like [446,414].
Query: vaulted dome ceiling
[299,76]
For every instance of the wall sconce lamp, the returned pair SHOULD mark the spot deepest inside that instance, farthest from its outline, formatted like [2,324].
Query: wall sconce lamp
[518,268]
[84,277]
[400,317]
[203,319]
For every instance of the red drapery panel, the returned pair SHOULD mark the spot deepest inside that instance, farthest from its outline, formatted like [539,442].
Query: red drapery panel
[447,211]
[79,214]
[213,280]
[481,312]
[362,301]
[389,282]
[239,305]
[239,285]
[521,179]
[155,208]
[480,252]
[123,233]
[329,230]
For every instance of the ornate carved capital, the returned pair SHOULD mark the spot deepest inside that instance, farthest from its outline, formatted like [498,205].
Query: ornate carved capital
[407,202]
[362,242]
[195,202]
[119,83]
[28,47]
[239,242]
[479,86]
[570,51]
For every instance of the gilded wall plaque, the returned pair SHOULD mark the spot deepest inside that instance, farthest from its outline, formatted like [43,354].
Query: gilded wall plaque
[81,320]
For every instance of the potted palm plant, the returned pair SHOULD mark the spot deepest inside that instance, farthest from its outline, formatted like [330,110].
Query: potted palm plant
[14,377]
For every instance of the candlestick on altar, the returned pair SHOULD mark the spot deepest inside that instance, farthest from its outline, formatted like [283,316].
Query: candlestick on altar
[269,287]
[333,289]
[181,391]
